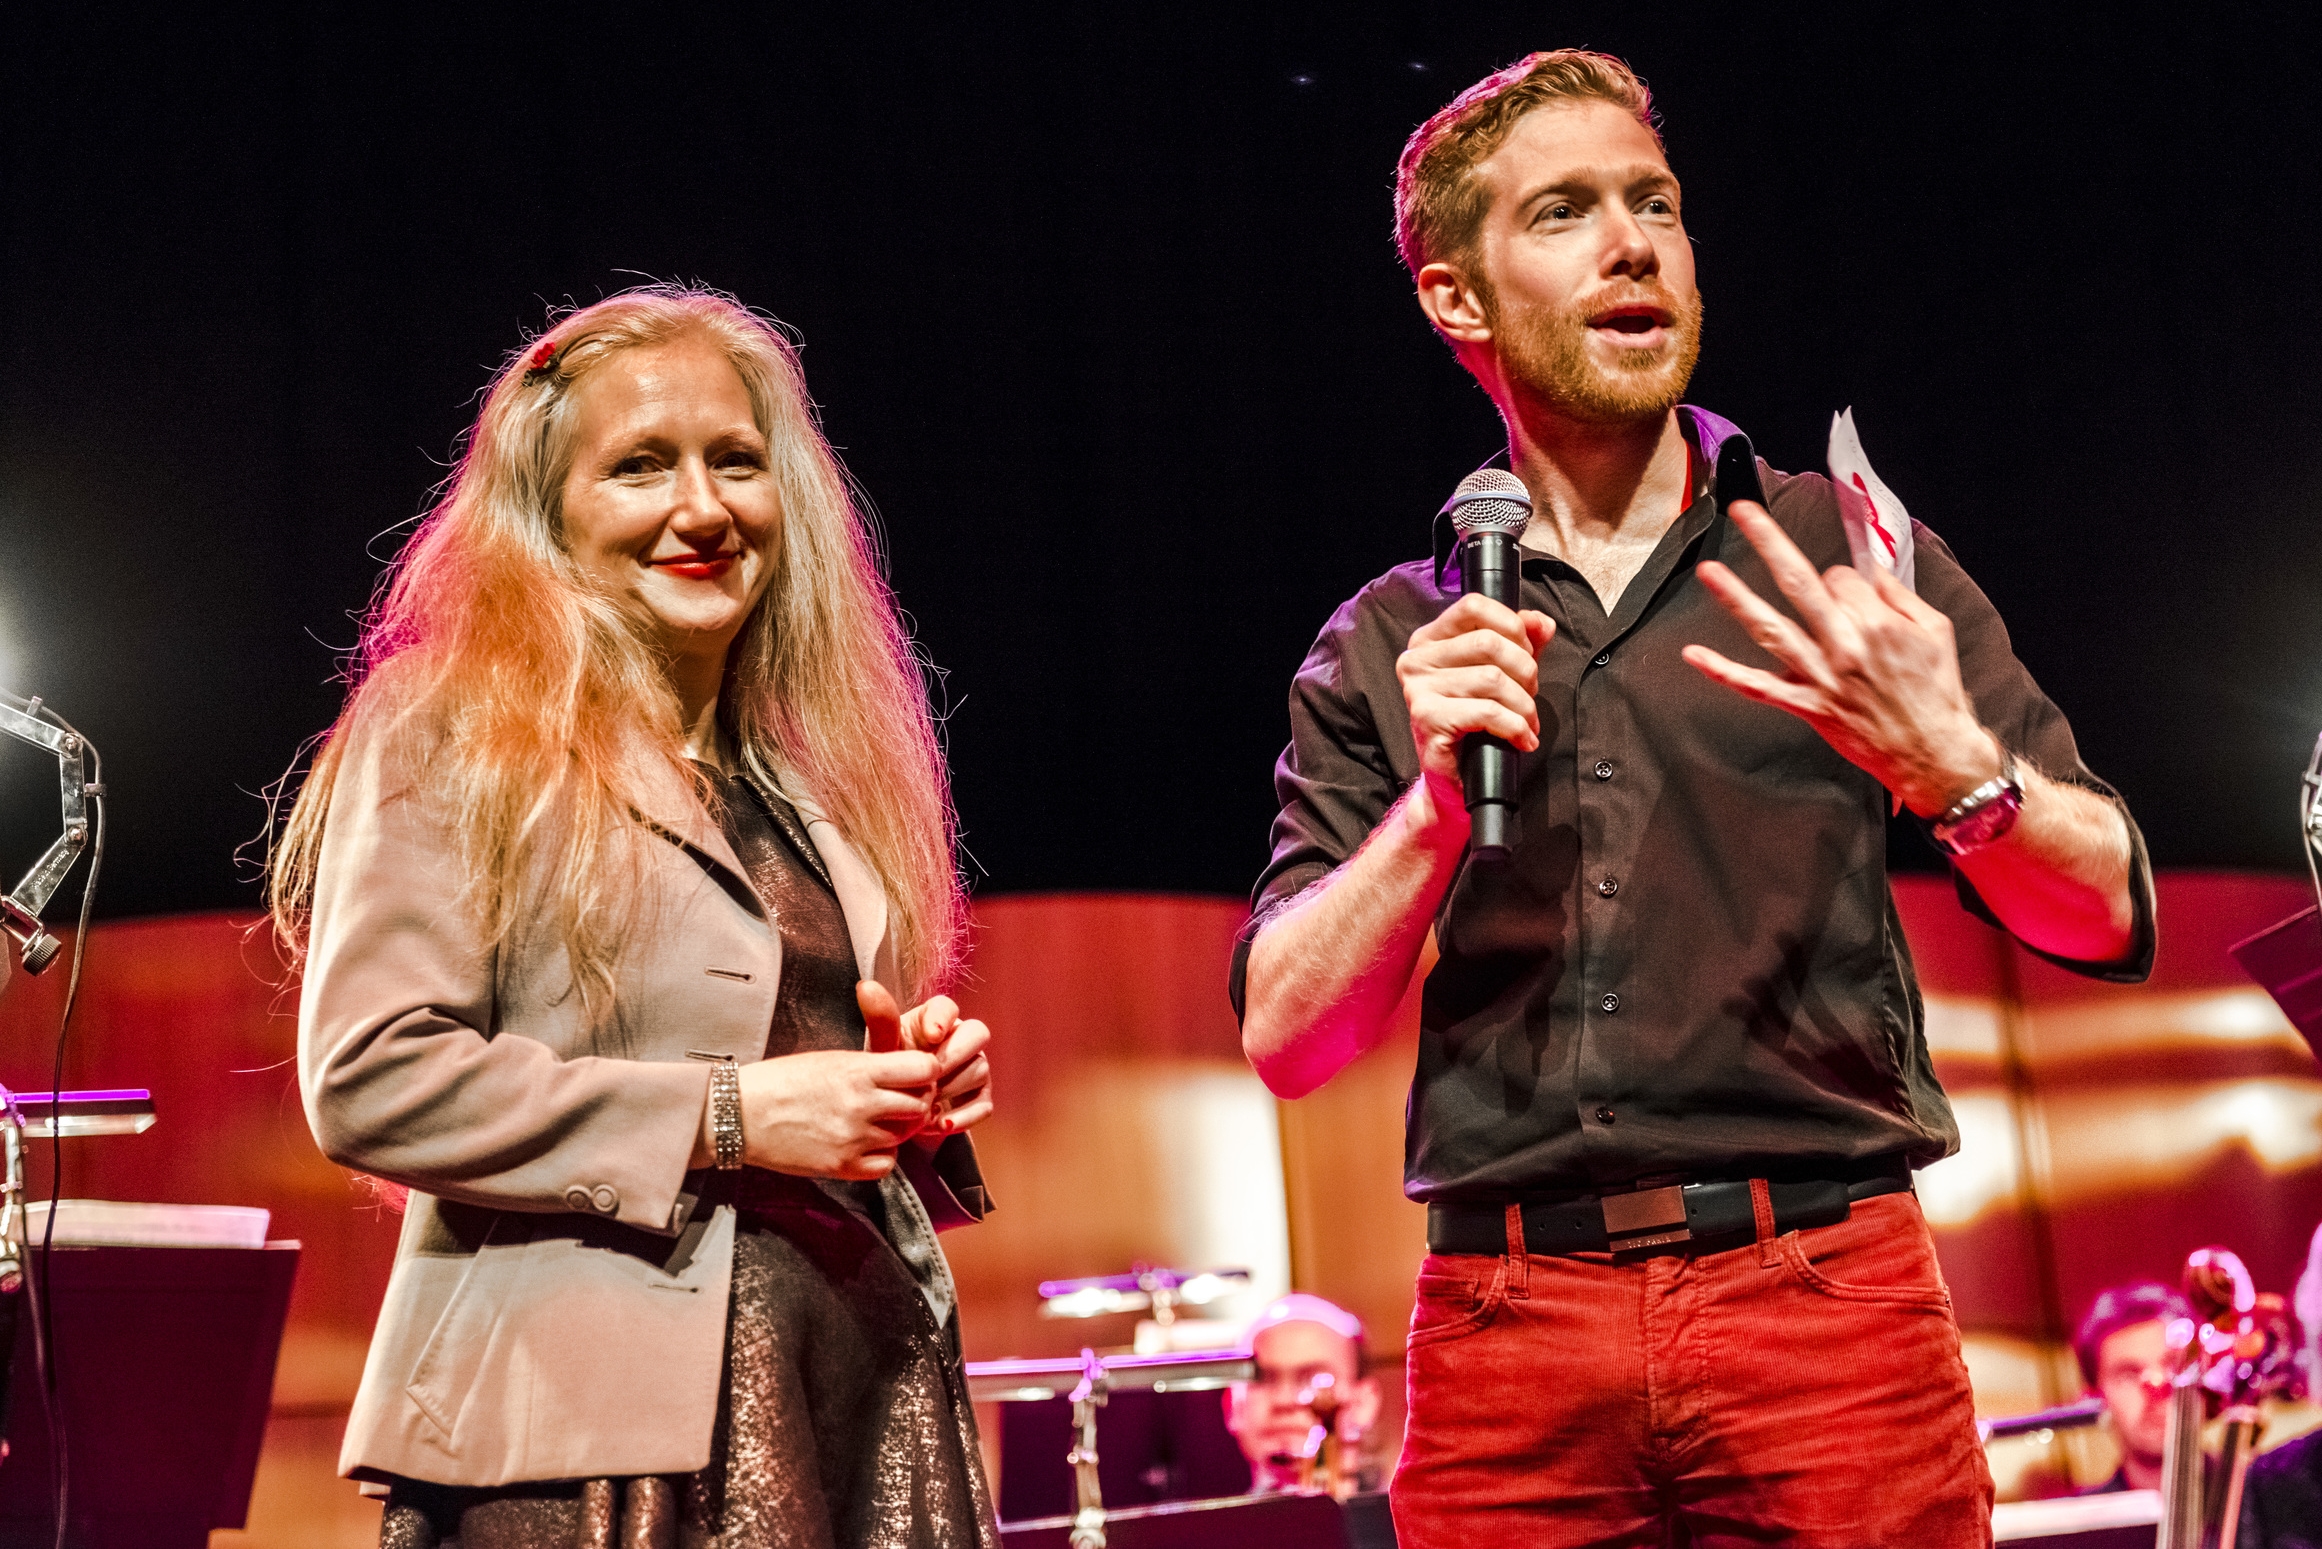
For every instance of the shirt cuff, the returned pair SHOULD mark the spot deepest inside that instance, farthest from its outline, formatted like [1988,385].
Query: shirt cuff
[2135,965]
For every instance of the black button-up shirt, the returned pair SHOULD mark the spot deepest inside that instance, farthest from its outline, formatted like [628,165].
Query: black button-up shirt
[1692,963]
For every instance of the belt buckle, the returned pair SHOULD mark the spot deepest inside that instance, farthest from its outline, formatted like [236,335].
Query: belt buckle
[1649,1218]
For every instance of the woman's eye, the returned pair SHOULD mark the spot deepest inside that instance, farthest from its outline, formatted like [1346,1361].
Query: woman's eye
[1559,211]
[629,467]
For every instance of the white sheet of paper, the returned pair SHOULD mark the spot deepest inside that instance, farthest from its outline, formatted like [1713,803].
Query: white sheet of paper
[1878,529]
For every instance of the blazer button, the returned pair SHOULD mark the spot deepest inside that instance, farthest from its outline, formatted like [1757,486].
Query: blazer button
[577,1197]
[606,1199]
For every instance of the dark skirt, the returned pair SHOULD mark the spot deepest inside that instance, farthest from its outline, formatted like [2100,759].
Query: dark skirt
[844,1422]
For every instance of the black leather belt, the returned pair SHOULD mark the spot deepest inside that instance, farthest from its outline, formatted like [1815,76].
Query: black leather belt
[1679,1218]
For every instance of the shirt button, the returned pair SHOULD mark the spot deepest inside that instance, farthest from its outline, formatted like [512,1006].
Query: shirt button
[1603,771]
[1604,1115]
[577,1197]
[1608,887]
[1611,1003]
[1604,658]
[606,1199]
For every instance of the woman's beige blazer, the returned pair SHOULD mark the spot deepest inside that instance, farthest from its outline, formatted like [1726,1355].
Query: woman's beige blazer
[557,1308]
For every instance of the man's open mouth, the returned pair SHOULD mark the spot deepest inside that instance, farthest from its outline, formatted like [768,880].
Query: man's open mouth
[1633,320]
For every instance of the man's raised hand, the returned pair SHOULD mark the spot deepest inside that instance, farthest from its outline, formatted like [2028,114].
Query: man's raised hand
[1872,668]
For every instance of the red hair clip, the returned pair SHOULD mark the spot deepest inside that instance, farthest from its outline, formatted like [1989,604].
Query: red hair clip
[543,356]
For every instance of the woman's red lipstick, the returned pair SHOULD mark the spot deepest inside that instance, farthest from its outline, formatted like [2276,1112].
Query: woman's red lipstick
[697,567]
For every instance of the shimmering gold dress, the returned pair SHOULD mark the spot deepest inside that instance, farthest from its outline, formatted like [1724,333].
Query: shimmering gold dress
[844,1422]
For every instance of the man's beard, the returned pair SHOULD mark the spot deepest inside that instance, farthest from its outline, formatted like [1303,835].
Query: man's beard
[1546,354]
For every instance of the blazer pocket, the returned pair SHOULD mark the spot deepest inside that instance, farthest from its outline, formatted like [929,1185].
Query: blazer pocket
[445,1373]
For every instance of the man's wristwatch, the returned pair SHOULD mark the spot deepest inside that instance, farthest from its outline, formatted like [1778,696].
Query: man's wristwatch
[1983,814]
[725,1115]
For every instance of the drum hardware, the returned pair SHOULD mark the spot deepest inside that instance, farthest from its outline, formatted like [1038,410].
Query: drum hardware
[1088,1380]
[1152,1286]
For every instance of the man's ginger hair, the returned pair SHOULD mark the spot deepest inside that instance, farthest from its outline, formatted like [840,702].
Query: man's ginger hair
[1439,205]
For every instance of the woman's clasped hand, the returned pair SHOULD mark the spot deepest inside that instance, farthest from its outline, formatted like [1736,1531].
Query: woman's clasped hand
[921,1078]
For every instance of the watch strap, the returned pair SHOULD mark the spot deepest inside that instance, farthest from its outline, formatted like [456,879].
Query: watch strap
[1984,814]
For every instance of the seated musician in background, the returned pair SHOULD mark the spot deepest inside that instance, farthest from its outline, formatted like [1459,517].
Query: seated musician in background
[2121,1350]
[1305,1348]
[2281,1500]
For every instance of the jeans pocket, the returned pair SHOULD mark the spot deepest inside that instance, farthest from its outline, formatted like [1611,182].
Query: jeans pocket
[1444,1307]
[1867,1258]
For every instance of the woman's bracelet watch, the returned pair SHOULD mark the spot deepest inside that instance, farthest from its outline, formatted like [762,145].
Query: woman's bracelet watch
[1983,815]
[725,1108]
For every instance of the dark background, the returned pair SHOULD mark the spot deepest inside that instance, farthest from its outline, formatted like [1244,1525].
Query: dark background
[1103,309]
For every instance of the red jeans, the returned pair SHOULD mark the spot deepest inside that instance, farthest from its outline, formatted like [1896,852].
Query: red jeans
[1806,1389]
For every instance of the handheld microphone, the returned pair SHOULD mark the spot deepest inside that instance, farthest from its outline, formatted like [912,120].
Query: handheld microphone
[1489,511]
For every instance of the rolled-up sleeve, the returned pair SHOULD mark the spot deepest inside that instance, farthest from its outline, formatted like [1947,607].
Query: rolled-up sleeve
[402,1070]
[1350,756]
[2011,704]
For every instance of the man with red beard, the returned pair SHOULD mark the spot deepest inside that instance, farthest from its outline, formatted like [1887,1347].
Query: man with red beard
[1672,1081]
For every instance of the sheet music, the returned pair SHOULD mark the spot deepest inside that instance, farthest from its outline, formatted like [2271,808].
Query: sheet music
[1878,529]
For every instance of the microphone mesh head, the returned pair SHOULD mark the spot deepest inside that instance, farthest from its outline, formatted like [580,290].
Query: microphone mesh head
[1490,500]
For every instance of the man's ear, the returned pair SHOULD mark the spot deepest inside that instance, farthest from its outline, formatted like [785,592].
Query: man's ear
[1454,305]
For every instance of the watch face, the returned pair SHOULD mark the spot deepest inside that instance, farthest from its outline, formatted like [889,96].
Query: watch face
[1985,824]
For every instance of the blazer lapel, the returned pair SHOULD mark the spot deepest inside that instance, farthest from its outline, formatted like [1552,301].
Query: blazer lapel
[674,810]
[861,897]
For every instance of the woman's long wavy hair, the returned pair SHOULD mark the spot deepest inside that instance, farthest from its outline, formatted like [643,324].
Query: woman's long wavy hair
[543,704]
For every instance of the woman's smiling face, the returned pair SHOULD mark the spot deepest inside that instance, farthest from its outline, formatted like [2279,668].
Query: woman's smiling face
[670,501]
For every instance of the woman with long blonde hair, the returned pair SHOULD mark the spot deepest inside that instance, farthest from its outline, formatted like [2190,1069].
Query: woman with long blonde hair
[609,883]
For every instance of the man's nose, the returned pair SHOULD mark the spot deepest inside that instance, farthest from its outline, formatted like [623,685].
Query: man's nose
[1628,250]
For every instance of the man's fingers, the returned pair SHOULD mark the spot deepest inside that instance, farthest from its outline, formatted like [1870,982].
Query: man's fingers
[1908,603]
[1473,648]
[1457,684]
[1475,612]
[882,1019]
[1457,717]
[1776,635]
[1794,574]
[1800,699]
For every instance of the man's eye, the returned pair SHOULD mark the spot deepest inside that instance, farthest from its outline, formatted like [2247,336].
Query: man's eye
[1659,207]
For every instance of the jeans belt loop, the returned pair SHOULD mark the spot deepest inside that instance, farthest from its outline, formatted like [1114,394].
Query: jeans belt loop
[1519,1270]
[1762,1207]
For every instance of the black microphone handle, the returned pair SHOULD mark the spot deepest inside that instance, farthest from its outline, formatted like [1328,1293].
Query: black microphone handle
[1488,563]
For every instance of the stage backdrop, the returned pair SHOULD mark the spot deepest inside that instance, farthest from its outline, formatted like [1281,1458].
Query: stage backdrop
[2108,1131]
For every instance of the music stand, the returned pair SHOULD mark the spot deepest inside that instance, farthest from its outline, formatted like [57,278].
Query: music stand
[2287,960]
[165,1361]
